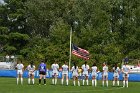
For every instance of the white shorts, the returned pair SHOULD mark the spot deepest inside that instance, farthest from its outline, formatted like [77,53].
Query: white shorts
[19,72]
[75,74]
[31,73]
[85,73]
[55,73]
[125,75]
[105,74]
[94,74]
[116,75]
[64,72]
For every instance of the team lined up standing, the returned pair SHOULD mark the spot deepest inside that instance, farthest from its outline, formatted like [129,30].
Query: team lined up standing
[76,73]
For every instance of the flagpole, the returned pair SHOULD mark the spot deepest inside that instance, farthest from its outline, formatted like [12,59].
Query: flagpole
[70,50]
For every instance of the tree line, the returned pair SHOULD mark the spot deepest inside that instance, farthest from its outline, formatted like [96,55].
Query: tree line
[40,29]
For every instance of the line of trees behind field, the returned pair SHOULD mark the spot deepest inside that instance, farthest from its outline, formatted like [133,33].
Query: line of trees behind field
[40,29]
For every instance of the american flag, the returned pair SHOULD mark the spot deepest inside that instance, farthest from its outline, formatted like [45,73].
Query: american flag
[79,52]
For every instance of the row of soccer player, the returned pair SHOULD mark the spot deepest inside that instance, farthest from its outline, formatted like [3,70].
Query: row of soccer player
[75,73]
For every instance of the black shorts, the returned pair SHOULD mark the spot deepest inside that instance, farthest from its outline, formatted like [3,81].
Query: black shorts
[42,73]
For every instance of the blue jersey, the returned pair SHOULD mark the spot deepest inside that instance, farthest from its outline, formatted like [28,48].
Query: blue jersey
[42,67]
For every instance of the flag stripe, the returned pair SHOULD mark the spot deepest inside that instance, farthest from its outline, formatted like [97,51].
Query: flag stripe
[79,52]
[84,57]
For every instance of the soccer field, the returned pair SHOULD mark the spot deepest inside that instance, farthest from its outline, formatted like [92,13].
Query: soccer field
[8,85]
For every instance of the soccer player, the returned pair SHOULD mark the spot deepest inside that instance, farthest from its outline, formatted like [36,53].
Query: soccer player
[85,69]
[20,68]
[55,68]
[116,71]
[105,74]
[80,73]
[94,74]
[42,72]
[31,69]
[125,71]
[65,73]
[75,74]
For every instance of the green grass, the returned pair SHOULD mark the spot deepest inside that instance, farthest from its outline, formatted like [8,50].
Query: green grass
[8,85]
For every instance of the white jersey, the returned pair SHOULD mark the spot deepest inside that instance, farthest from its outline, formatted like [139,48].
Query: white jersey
[31,69]
[116,72]
[75,71]
[85,69]
[55,68]
[65,69]
[94,70]
[125,70]
[105,70]
[19,68]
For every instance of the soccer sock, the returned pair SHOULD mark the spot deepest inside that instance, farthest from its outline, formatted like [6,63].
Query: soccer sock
[55,81]
[118,83]
[33,81]
[39,81]
[95,82]
[44,81]
[28,80]
[124,83]
[83,82]
[113,82]
[127,83]
[103,83]
[62,81]
[74,82]
[21,80]
[17,80]
[107,83]
[87,82]
[52,81]
[78,83]
[67,81]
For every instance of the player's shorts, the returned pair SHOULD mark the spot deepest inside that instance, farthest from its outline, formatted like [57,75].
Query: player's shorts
[85,73]
[105,74]
[55,73]
[64,72]
[94,74]
[31,73]
[125,75]
[116,75]
[19,72]
[75,74]
[42,72]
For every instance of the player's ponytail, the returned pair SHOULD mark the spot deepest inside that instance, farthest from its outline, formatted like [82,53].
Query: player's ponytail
[85,64]
[115,66]
[31,64]
[75,65]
